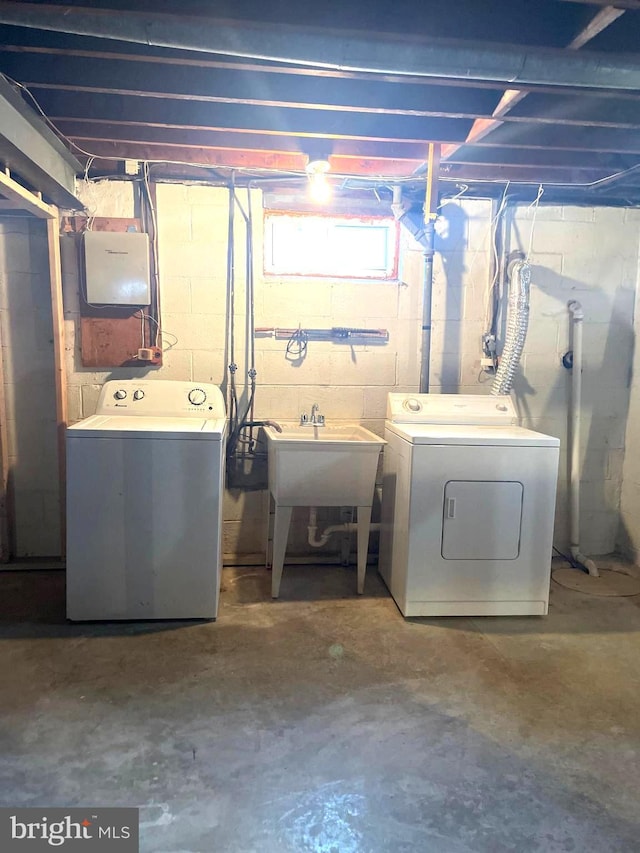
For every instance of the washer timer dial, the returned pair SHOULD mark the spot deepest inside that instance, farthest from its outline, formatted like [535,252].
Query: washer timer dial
[197,397]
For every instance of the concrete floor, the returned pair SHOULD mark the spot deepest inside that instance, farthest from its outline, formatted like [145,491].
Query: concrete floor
[326,722]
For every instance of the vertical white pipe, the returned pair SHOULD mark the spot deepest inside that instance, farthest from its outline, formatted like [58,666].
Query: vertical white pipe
[577,318]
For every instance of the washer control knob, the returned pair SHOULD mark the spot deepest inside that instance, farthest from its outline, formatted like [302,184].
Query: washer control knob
[197,396]
[120,394]
[501,407]
[138,395]
[412,405]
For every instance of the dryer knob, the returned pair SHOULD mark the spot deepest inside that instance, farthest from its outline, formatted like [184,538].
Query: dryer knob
[412,405]
[138,395]
[120,394]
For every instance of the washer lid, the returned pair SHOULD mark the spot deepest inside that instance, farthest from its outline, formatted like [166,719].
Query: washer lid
[451,409]
[472,435]
[126,426]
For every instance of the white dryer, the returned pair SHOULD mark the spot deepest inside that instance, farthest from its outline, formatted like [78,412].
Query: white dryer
[468,507]
[144,503]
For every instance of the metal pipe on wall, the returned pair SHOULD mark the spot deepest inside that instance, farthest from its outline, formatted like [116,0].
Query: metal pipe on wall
[576,319]
[424,233]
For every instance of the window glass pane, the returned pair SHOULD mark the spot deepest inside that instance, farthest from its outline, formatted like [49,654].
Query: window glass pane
[330,246]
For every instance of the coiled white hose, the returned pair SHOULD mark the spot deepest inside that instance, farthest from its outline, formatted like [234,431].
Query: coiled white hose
[517,325]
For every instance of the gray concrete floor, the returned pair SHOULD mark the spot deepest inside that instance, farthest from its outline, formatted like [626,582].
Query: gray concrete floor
[326,722]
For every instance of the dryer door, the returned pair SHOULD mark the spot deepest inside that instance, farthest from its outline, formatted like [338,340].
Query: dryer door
[481,520]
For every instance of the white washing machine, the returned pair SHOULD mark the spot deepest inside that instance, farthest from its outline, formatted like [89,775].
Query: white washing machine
[145,479]
[468,507]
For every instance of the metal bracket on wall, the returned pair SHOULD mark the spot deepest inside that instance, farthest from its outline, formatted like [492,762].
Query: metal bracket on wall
[336,334]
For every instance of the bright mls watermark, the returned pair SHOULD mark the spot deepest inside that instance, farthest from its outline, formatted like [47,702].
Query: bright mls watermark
[27,830]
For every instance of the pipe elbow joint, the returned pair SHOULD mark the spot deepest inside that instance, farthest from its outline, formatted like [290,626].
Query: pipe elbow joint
[576,310]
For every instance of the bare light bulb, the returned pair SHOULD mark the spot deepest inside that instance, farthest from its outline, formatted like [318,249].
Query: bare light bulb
[320,189]
[319,186]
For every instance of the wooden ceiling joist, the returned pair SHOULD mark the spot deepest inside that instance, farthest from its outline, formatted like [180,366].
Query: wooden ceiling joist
[354,51]
[512,97]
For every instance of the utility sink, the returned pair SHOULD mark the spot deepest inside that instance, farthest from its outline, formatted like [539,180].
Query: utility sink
[320,466]
[323,465]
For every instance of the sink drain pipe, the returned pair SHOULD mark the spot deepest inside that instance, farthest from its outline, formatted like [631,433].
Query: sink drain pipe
[576,319]
[346,527]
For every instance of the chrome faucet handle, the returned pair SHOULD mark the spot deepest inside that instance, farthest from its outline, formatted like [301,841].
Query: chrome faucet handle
[303,418]
[319,420]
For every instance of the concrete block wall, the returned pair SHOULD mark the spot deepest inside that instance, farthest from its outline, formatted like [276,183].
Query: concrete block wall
[461,278]
[27,350]
[588,254]
[348,382]
[629,462]
[585,253]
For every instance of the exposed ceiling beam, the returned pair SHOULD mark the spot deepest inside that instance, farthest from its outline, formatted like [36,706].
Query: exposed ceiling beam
[243,158]
[595,139]
[24,199]
[619,177]
[600,21]
[533,175]
[612,113]
[354,50]
[265,119]
[620,4]
[32,151]
[230,84]
[86,132]
[201,63]
[511,97]
[541,157]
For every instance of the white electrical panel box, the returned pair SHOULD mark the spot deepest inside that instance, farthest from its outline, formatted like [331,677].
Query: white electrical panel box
[117,268]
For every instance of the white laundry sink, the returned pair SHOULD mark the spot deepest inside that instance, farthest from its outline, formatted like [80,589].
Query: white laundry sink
[323,465]
[320,466]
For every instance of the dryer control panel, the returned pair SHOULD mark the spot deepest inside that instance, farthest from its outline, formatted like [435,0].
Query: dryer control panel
[481,409]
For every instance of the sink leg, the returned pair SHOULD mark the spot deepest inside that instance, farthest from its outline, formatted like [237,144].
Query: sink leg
[364,523]
[268,550]
[280,536]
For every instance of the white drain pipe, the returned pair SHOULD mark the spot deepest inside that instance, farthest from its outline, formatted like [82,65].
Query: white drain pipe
[577,318]
[346,527]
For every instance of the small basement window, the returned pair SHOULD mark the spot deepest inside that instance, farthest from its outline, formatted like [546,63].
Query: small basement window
[336,246]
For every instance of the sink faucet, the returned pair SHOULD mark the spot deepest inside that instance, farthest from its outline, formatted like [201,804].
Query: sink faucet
[315,419]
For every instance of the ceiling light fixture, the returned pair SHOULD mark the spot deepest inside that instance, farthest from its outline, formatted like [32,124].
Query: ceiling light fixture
[319,186]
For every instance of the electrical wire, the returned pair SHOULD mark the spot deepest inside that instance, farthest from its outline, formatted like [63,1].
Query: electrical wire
[494,234]
[154,250]
[296,349]
[535,204]
[295,175]
[165,333]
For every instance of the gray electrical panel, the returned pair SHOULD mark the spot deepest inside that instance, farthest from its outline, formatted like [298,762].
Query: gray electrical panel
[117,268]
